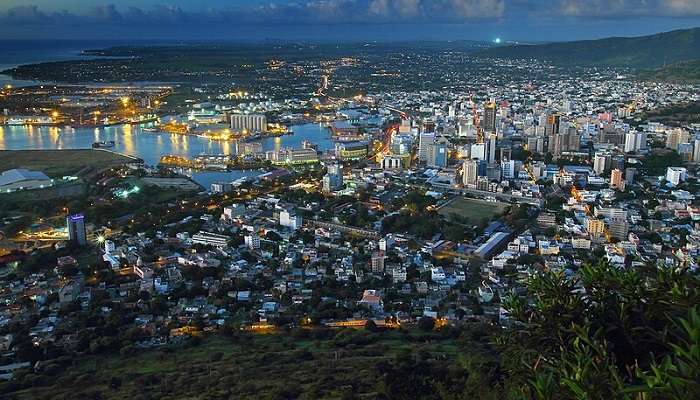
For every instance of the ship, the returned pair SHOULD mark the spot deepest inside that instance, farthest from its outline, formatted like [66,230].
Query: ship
[103,145]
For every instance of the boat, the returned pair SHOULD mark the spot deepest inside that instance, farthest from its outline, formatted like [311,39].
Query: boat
[150,129]
[103,145]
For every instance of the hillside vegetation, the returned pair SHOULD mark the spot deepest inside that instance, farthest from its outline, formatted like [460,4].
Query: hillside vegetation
[638,52]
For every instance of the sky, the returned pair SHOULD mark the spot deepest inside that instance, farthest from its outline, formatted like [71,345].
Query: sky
[343,20]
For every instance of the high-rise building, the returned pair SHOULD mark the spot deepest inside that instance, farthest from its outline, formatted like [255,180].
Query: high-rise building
[490,117]
[553,124]
[535,144]
[425,142]
[470,172]
[696,150]
[333,180]
[249,123]
[595,227]
[76,229]
[438,153]
[676,137]
[508,169]
[618,227]
[601,163]
[493,172]
[478,151]
[616,181]
[635,141]
[676,175]
[491,146]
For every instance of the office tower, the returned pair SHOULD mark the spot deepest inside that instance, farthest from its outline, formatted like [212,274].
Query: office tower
[478,151]
[617,162]
[629,175]
[676,175]
[553,124]
[333,180]
[601,163]
[438,154]
[76,229]
[618,226]
[425,141]
[616,181]
[696,150]
[635,141]
[490,117]
[493,172]
[491,148]
[676,137]
[508,169]
[535,144]
[248,122]
[470,172]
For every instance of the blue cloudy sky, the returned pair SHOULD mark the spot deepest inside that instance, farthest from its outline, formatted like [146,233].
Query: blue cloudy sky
[333,20]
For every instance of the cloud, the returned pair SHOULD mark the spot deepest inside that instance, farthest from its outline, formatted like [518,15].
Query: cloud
[683,7]
[294,12]
[627,8]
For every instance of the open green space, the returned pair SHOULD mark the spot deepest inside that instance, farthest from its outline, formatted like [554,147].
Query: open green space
[306,364]
[472,209]
[59,163]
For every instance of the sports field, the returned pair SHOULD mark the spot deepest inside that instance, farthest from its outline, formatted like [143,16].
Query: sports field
[472,209]
[58,163]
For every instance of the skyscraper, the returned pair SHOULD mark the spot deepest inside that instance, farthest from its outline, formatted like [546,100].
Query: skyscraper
[490,117]
[76,229]
[551,130]
[438,153]
[425,142]
[333,180]
[470,172]
[491,145]
[616,181]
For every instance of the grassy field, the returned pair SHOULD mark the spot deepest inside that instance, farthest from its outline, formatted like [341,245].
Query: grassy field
[472,209]
[347,365]
[60,191]
[59,163]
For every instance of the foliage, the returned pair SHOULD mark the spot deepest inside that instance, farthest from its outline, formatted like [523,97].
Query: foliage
[605,333]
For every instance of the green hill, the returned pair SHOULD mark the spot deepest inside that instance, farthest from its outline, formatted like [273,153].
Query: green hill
[639,52]
[684,71]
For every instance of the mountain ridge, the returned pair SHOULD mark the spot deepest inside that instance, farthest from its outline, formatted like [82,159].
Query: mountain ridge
[643,52]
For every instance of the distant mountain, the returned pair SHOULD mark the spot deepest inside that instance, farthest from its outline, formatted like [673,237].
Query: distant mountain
[639,52]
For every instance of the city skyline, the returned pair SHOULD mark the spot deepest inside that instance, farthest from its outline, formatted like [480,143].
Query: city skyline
[351,20]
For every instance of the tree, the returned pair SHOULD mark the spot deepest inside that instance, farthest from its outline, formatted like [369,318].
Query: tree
[426,324]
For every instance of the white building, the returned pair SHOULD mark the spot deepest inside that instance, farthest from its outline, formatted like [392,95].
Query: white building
[211,239]
[23,179]
[233,211]
[676,175]
[290,220]
[635,141]
[425,145]
[249,122]
[470,170]
[252,241]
